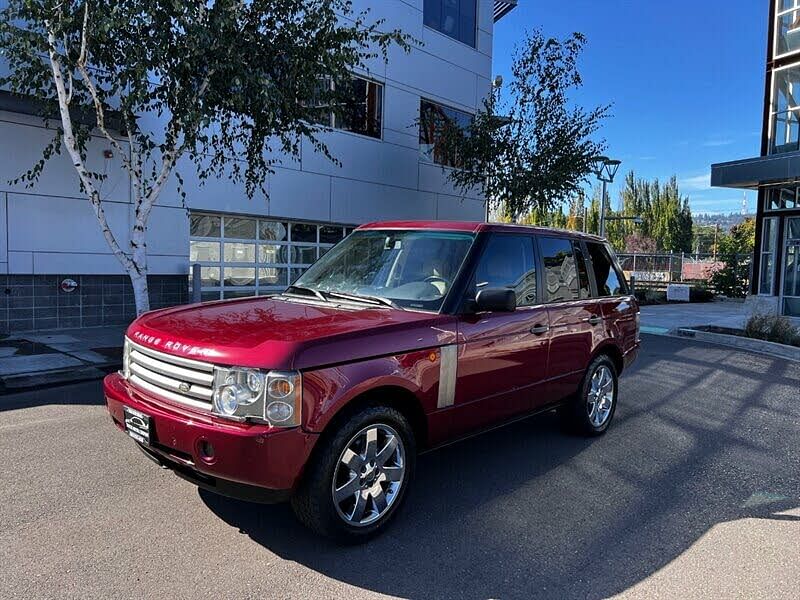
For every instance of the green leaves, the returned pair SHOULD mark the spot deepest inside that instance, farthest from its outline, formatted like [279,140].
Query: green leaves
[220,82]
[530,149]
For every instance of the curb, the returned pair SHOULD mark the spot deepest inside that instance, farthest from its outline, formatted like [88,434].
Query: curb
[25,381]
[742,343]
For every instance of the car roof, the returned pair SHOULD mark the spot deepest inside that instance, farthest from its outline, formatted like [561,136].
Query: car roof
[476,226]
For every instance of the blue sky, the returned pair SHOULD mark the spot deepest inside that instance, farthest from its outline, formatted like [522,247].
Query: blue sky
[685,78]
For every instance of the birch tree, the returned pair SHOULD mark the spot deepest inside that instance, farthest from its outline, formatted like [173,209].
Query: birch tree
[223,86]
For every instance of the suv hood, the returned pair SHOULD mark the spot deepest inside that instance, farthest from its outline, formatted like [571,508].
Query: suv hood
[270,333]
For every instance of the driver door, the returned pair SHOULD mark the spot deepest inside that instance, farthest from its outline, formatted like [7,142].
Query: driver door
[502,356]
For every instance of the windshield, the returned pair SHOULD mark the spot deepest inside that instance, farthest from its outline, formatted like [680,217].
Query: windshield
[412,269]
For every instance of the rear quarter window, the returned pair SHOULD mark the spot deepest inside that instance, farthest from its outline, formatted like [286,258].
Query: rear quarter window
[610,281]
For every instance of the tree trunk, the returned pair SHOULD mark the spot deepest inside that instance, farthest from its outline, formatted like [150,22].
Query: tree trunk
[140,290]
[138,265]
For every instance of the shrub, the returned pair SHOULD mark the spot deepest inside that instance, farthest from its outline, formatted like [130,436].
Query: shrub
[772,328]
[647,296]
[699,293]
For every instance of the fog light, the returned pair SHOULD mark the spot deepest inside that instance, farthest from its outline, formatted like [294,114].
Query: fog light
[278,412]
[206,450]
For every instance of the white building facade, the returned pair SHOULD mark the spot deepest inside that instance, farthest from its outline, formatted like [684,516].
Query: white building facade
[389,170]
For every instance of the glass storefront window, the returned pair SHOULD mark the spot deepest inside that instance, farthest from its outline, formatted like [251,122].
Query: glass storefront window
[791,268]
[244,256]
[238,228]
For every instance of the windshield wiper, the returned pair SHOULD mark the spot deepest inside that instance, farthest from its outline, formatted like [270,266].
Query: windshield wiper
[365,298]
[311,291]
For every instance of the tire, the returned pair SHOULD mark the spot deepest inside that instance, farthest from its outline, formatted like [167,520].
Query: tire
[583,413]
[353,487]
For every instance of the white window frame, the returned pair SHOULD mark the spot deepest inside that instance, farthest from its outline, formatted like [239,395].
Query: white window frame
[778,15]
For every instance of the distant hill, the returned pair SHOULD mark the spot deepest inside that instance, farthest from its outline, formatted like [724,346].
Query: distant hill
[725,221]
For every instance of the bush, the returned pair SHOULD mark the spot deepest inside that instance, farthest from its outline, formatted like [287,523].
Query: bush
[732,280]
[700,293]
[647,296]
[772,328]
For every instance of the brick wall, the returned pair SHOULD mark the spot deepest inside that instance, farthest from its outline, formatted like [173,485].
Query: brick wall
[36,302]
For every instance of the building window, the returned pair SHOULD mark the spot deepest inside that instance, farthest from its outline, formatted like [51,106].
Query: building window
[783,198]
[769,242]
[457,19]
[785,119]
[787,27]
[434,123]
[362,114]
[244,256]
[791,268]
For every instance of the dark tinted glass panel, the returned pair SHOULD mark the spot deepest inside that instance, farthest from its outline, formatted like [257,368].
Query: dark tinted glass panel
[364,112]
[435,123]
[204,226]
[273,231]
[454,18]
[608,280]
[236,227]
[561,279]
[507,262]
[302,232]
[330,234]
[583,272]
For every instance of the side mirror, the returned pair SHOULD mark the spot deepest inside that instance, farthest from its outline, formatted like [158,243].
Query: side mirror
[496,300]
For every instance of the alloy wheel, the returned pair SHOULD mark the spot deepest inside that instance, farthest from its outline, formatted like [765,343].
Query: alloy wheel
[600,396]
[369,474]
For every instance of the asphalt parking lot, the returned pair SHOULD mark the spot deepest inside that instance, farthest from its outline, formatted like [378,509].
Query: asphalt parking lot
[694,492]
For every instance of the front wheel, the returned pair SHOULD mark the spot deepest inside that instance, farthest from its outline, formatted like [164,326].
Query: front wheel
[592,408]
[358,477]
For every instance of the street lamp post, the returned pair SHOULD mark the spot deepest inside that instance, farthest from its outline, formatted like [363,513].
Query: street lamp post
[606,169]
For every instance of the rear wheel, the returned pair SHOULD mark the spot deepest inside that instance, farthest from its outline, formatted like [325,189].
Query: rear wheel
[592,408]
[358,477]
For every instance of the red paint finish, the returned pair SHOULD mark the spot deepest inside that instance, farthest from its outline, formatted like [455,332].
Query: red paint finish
[252,454]
[501,367]
[508,365]
[273,334]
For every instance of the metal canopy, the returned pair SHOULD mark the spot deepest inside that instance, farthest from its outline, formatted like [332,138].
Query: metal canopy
[502,8]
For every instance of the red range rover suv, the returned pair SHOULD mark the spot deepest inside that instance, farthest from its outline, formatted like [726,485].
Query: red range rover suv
[403,337]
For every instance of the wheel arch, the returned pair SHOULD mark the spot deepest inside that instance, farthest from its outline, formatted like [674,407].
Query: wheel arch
[394,396]
[614,353]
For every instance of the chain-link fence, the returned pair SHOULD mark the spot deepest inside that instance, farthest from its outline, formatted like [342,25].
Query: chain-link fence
[725,274]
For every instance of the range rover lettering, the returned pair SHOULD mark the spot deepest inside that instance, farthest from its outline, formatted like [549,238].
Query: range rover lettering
[404,337]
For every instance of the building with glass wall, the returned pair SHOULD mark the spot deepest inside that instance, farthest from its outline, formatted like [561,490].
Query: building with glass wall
[390,169]
[775,281]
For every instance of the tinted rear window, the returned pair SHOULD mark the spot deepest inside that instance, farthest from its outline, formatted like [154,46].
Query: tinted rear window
[609,281]
[561,279]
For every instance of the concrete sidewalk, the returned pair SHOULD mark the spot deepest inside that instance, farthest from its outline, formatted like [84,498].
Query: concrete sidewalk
[42,358]
[667,317]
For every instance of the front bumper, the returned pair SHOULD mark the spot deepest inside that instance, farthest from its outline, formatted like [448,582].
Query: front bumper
[249,460]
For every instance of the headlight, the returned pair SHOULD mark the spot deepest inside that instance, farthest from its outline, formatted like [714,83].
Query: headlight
[274,397]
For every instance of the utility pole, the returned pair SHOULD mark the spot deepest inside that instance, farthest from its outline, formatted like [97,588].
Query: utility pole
[716,233]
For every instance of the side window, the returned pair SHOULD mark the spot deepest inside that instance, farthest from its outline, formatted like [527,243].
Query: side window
[609,281]
[562,274]
[583,273]
[507,262]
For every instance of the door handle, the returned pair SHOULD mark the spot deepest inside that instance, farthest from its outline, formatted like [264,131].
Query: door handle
[594,320]
[540,329]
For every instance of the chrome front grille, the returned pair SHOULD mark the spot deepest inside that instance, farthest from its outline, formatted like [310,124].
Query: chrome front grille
[173,378]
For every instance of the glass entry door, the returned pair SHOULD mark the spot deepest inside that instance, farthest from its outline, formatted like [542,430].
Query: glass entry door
[791,268]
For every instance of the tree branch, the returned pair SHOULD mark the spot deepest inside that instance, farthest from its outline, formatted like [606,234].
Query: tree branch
[75,154]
